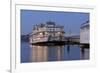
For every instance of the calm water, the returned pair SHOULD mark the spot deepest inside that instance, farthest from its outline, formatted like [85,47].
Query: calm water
[31,53]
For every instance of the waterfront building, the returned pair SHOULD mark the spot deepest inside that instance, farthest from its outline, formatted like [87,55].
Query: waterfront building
[85,33]
[47,32]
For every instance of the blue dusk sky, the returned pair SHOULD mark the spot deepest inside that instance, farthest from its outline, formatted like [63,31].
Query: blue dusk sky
[71,21]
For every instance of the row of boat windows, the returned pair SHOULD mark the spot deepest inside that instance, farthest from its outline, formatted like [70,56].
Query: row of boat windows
[46,33]
[50,29]
[49,25]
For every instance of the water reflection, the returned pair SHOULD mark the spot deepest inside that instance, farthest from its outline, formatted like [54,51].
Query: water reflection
[39,53]
[58,53]
[85,53]
[33,53]
[45,53]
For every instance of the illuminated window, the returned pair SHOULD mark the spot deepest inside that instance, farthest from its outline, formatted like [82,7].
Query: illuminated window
[40,33]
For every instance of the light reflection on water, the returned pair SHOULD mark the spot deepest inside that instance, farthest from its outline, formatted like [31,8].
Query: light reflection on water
[32,53]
